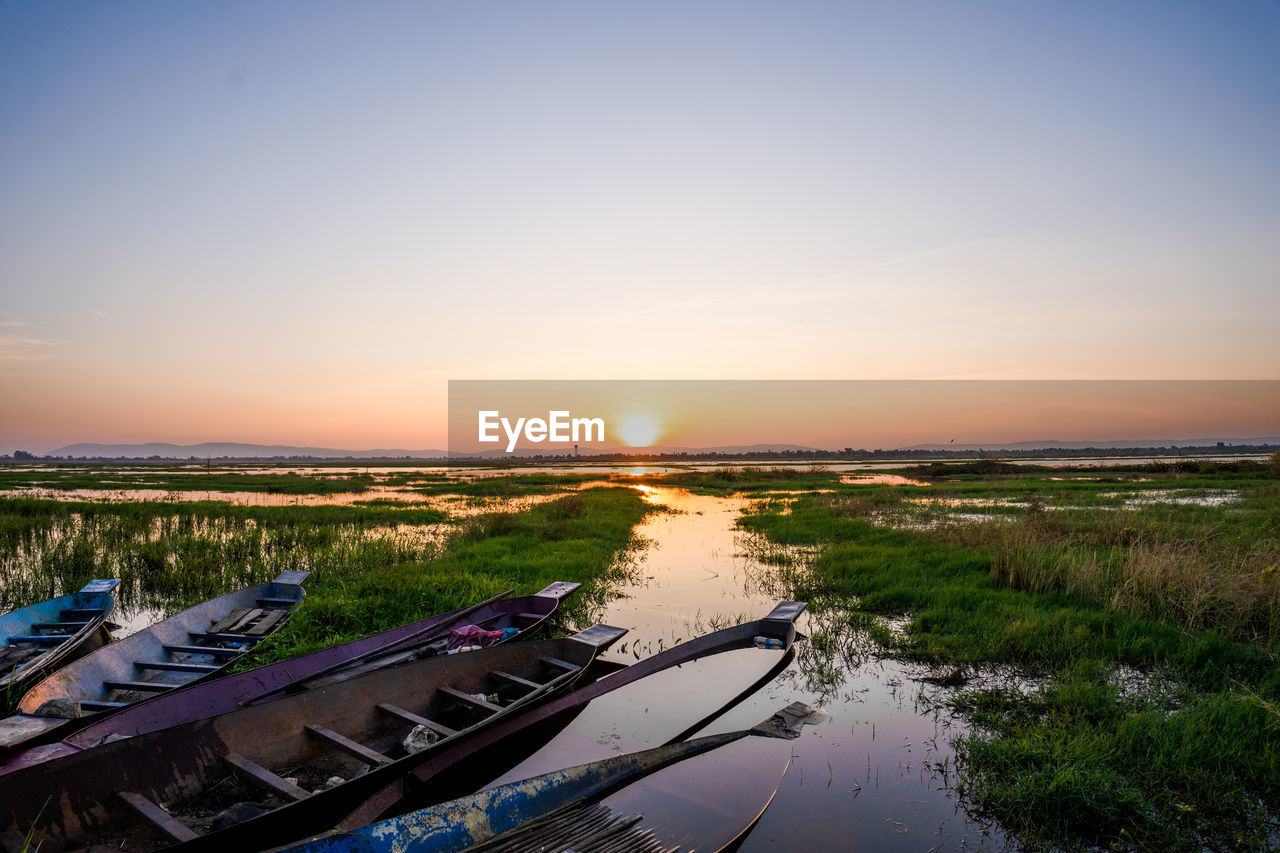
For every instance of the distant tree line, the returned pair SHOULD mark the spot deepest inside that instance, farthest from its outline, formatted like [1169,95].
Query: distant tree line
[847,454]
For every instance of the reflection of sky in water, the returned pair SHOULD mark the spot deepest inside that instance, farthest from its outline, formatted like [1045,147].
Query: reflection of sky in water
[866,778]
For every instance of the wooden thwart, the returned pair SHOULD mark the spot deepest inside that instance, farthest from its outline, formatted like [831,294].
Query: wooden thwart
[253,772]
[149,686]
[468,699]
[221,637]
[203,650]
[515,679]
[158,817]
[560,664]
[99,705]
[170,666]
[415,719]
[89,613]
[347,745]
[40,639]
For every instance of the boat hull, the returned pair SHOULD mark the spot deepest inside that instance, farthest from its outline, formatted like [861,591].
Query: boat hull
[24,664]
[146,663]
[421,777]
[207,699]
[179,763]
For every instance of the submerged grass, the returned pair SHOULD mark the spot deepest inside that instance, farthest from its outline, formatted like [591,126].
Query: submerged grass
[168,479]
[1071,582]
[745,479]
[506,485]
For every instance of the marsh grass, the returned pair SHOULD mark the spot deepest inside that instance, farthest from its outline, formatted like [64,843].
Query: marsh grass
[746,479]
[506,485]
[171,555]
[373,567]
[167,479]
[1073,582]
[586,537]
[1076,763]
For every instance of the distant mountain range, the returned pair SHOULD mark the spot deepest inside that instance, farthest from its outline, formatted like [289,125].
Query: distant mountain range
[240,450]
[230,450]
[1101,445]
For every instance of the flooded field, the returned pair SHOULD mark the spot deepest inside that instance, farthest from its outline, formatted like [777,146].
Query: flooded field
[936,628]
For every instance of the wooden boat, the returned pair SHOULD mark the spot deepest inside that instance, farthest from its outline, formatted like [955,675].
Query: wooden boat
[415,789]
[197,643]
[354,729]
[36,640]
[567,809]
[284,750]
[414,780]
[523,614]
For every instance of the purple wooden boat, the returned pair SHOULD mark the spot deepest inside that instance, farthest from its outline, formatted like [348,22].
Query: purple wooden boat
[197,643]
[296,750]
[414,789]
[37,639]
[364,730]
[523,614]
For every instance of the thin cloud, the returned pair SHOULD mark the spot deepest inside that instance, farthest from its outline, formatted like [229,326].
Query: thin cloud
[19,347]
[915,255]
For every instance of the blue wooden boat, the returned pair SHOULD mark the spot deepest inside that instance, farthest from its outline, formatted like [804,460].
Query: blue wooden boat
[36,640]
[197,643]
[564,809]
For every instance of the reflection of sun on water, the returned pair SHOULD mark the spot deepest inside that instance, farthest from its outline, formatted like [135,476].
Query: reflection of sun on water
[639,429]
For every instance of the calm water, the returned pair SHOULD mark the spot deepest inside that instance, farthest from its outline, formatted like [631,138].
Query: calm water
[873,776]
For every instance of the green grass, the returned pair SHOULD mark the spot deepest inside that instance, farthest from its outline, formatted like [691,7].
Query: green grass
[584,537]
[506,485]
[373,567]
[1078,763]
[171,555]
[118,478]
[746,479]
[1075,763]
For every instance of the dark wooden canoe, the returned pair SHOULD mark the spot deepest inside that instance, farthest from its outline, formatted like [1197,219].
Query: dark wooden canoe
[197,643]
[526,614]
[404,786]
[564,809]
[285,751]
[38,639]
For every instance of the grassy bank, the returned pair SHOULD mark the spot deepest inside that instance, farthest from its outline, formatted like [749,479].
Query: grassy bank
[1148,618]
[373,567]
[583,537]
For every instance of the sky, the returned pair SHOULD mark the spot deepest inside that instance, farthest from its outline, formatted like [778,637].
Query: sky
[293,223]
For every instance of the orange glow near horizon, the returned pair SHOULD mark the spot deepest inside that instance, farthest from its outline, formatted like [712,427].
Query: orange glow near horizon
[833,415]
[639,429]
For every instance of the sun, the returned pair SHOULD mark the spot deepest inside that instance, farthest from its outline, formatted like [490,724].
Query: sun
[639,429]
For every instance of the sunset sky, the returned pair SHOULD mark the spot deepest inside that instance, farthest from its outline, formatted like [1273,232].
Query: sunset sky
[292,223]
